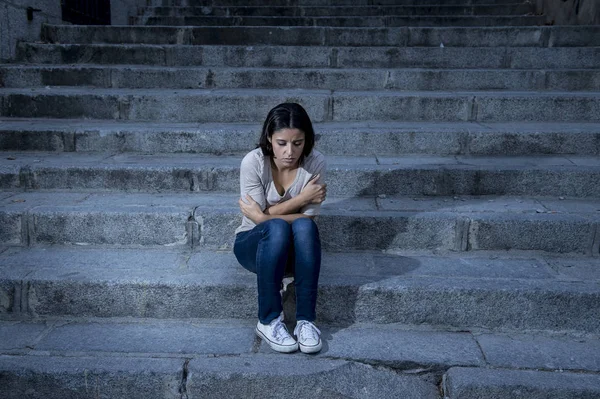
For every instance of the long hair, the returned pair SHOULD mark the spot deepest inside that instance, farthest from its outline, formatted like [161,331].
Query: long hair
[287,116]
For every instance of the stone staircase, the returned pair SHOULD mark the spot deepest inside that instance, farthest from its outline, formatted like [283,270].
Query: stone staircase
[462,227]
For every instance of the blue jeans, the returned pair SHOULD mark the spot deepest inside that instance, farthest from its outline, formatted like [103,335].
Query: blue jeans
[266,249]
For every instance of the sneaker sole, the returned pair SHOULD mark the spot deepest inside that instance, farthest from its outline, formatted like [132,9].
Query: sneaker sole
[275,346]
[310,349]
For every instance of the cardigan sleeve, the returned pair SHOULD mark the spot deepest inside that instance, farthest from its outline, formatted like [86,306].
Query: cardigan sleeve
[317,166]
[250,179]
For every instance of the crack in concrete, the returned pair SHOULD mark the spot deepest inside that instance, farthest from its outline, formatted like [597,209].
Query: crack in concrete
[184,379]
[596,241]
[481,350]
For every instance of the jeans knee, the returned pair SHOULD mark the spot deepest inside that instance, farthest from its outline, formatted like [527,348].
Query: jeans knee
[277,230]
[305,227]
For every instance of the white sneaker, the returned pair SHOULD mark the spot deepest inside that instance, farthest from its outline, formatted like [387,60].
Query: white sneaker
[277,336]
[308,335]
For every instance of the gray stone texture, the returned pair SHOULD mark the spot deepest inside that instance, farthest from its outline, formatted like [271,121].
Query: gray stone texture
[351,139]
[467,383]
[16,335]
[326,10]
[212,3]
[402,349]
[520,351]
[349,21]
[312,57]
[403,36]
[486,223]
[300,377]
[15,27]
[11,227]
[54,377]
[547,232]
[84,226]
[213,105]
[440,301]
[339,79]
[346,176]
[227,337]
[462,145]
[570,12]
[455,291]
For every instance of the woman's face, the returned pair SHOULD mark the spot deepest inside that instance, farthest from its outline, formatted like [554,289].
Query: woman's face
[288,145]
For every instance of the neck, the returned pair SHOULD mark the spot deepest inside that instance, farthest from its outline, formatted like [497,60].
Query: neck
[282,168]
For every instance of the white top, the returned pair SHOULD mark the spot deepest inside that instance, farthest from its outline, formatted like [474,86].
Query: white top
[256,180]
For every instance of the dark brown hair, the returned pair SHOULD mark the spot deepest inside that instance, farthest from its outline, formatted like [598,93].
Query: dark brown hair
[287,116]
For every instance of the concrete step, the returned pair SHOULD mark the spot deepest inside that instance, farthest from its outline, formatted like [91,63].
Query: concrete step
[313,57]
[21,76]
[251,105]
[373,175]
[341,11]
[474,383]
[269,375]
[491,291]
[382,139]
[430,350]
[41,355]
[546,36]
[289,3]
[208,221]
[382,21]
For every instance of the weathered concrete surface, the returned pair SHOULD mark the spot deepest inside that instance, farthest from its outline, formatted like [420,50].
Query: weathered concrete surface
[336,11]
[159,105]
[491,293]
[117,377]
[346,176]
[546,353]
[214,3]
[467,383]
[270,56]
[380,139]
[214,337]
[402,349]
[546,36]
[15,27]
[301,377]
[332,79]
[208,221]
[14,335]
[569,12]
[207,105]
[60,377]
[349,21]
[269,78]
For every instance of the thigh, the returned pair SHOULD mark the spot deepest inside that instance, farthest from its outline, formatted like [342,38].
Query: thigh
[246,246]
[272,238]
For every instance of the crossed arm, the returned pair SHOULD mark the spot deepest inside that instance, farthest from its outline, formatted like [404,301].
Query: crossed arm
[312,193]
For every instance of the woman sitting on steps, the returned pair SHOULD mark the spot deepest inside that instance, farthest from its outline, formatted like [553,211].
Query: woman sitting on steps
[282,190]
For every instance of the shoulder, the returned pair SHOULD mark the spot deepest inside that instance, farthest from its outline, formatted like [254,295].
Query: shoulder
[253,160]
[314,162]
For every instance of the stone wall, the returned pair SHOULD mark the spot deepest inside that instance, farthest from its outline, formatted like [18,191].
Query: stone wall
[122,10]
[570,12]
[15,27]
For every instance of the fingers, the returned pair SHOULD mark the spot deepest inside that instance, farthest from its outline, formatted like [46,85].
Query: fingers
[314,179]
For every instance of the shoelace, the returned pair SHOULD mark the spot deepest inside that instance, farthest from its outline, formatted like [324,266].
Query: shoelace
[308,330]
[279,331]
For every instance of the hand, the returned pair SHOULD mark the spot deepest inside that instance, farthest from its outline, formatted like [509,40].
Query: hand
[251,209]
[313,192]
